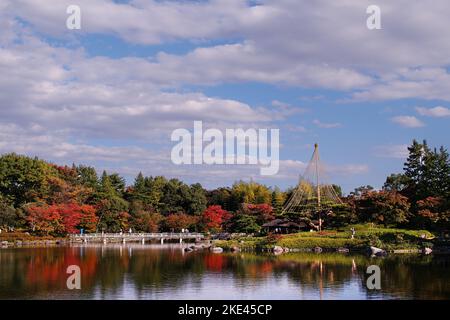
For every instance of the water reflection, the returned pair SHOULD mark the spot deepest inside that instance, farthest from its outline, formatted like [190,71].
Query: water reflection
[166,272]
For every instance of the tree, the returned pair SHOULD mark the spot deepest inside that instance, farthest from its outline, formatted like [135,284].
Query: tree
[60,219]
[221,197]
[251,192]
[214,218]
[87,176]
[147,221]
[117,183]
[197,200]
[45,220]
[179,221]
[244,223]
[144,218]
[112,208]
[61,191]
[396,182]
[112,213]
[433,213]
[23,179]
[174,195]
[8,215]
[386,207]
[361,191]
[428,171]
[262,212]
[278,200]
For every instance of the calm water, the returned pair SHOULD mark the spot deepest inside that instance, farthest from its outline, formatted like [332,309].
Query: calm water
[166,272]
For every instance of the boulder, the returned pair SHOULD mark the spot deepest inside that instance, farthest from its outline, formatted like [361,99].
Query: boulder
[286,249]
[342,250]
[217,250]
[377,251]
[277,249]
[427,250]
[318,249]
[4,243]
[235,249]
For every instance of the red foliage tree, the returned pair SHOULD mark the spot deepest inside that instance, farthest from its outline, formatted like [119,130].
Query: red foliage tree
[214,218]
[44,220]
[62,218]
[433,212]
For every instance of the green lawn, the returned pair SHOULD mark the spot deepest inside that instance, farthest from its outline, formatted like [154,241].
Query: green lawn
[366,235]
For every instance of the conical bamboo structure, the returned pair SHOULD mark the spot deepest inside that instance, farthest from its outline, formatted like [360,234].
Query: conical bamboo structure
[313,196]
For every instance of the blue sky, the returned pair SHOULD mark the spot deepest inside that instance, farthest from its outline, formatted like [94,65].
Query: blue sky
[110,94]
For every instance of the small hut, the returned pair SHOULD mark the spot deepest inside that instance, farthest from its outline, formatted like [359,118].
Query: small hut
[284,226]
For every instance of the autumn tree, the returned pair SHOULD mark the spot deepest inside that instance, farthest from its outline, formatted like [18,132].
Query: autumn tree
[384,207]
[262,212]
[44,220]
[60,219]
[433,213]
[178,221]
[214,218]
[144,218]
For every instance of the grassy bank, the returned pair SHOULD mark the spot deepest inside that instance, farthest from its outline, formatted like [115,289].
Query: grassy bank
[23,237]
[366,235]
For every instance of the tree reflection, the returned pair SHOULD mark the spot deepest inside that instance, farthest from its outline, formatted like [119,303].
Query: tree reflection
[38,273]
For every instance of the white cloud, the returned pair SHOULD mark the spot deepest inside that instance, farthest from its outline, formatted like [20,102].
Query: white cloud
[408,121]
[437,112]
[279,42]
[392,151]
[326,125]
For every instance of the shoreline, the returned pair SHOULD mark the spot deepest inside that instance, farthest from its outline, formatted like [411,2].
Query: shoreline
[216,247]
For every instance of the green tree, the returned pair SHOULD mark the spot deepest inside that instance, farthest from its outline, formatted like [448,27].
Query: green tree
[278,200]
[250,192]
[24,179]
[361,191]
[244,223]
[197,200]
[9,216]
[87,176]
[396,182]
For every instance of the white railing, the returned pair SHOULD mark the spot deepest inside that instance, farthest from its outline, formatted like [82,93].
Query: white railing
[139,235]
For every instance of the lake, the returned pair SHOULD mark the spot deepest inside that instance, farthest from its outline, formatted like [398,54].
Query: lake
[135,271]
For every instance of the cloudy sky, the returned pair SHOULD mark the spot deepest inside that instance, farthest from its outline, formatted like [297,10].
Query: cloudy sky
[110,94]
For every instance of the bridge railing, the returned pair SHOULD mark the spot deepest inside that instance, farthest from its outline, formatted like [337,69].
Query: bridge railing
[139,235]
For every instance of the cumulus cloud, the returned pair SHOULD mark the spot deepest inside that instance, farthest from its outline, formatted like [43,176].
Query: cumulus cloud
[61,102]
[408,121]
[269,42]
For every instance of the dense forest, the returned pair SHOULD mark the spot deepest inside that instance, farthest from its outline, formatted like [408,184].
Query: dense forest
[47,199]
